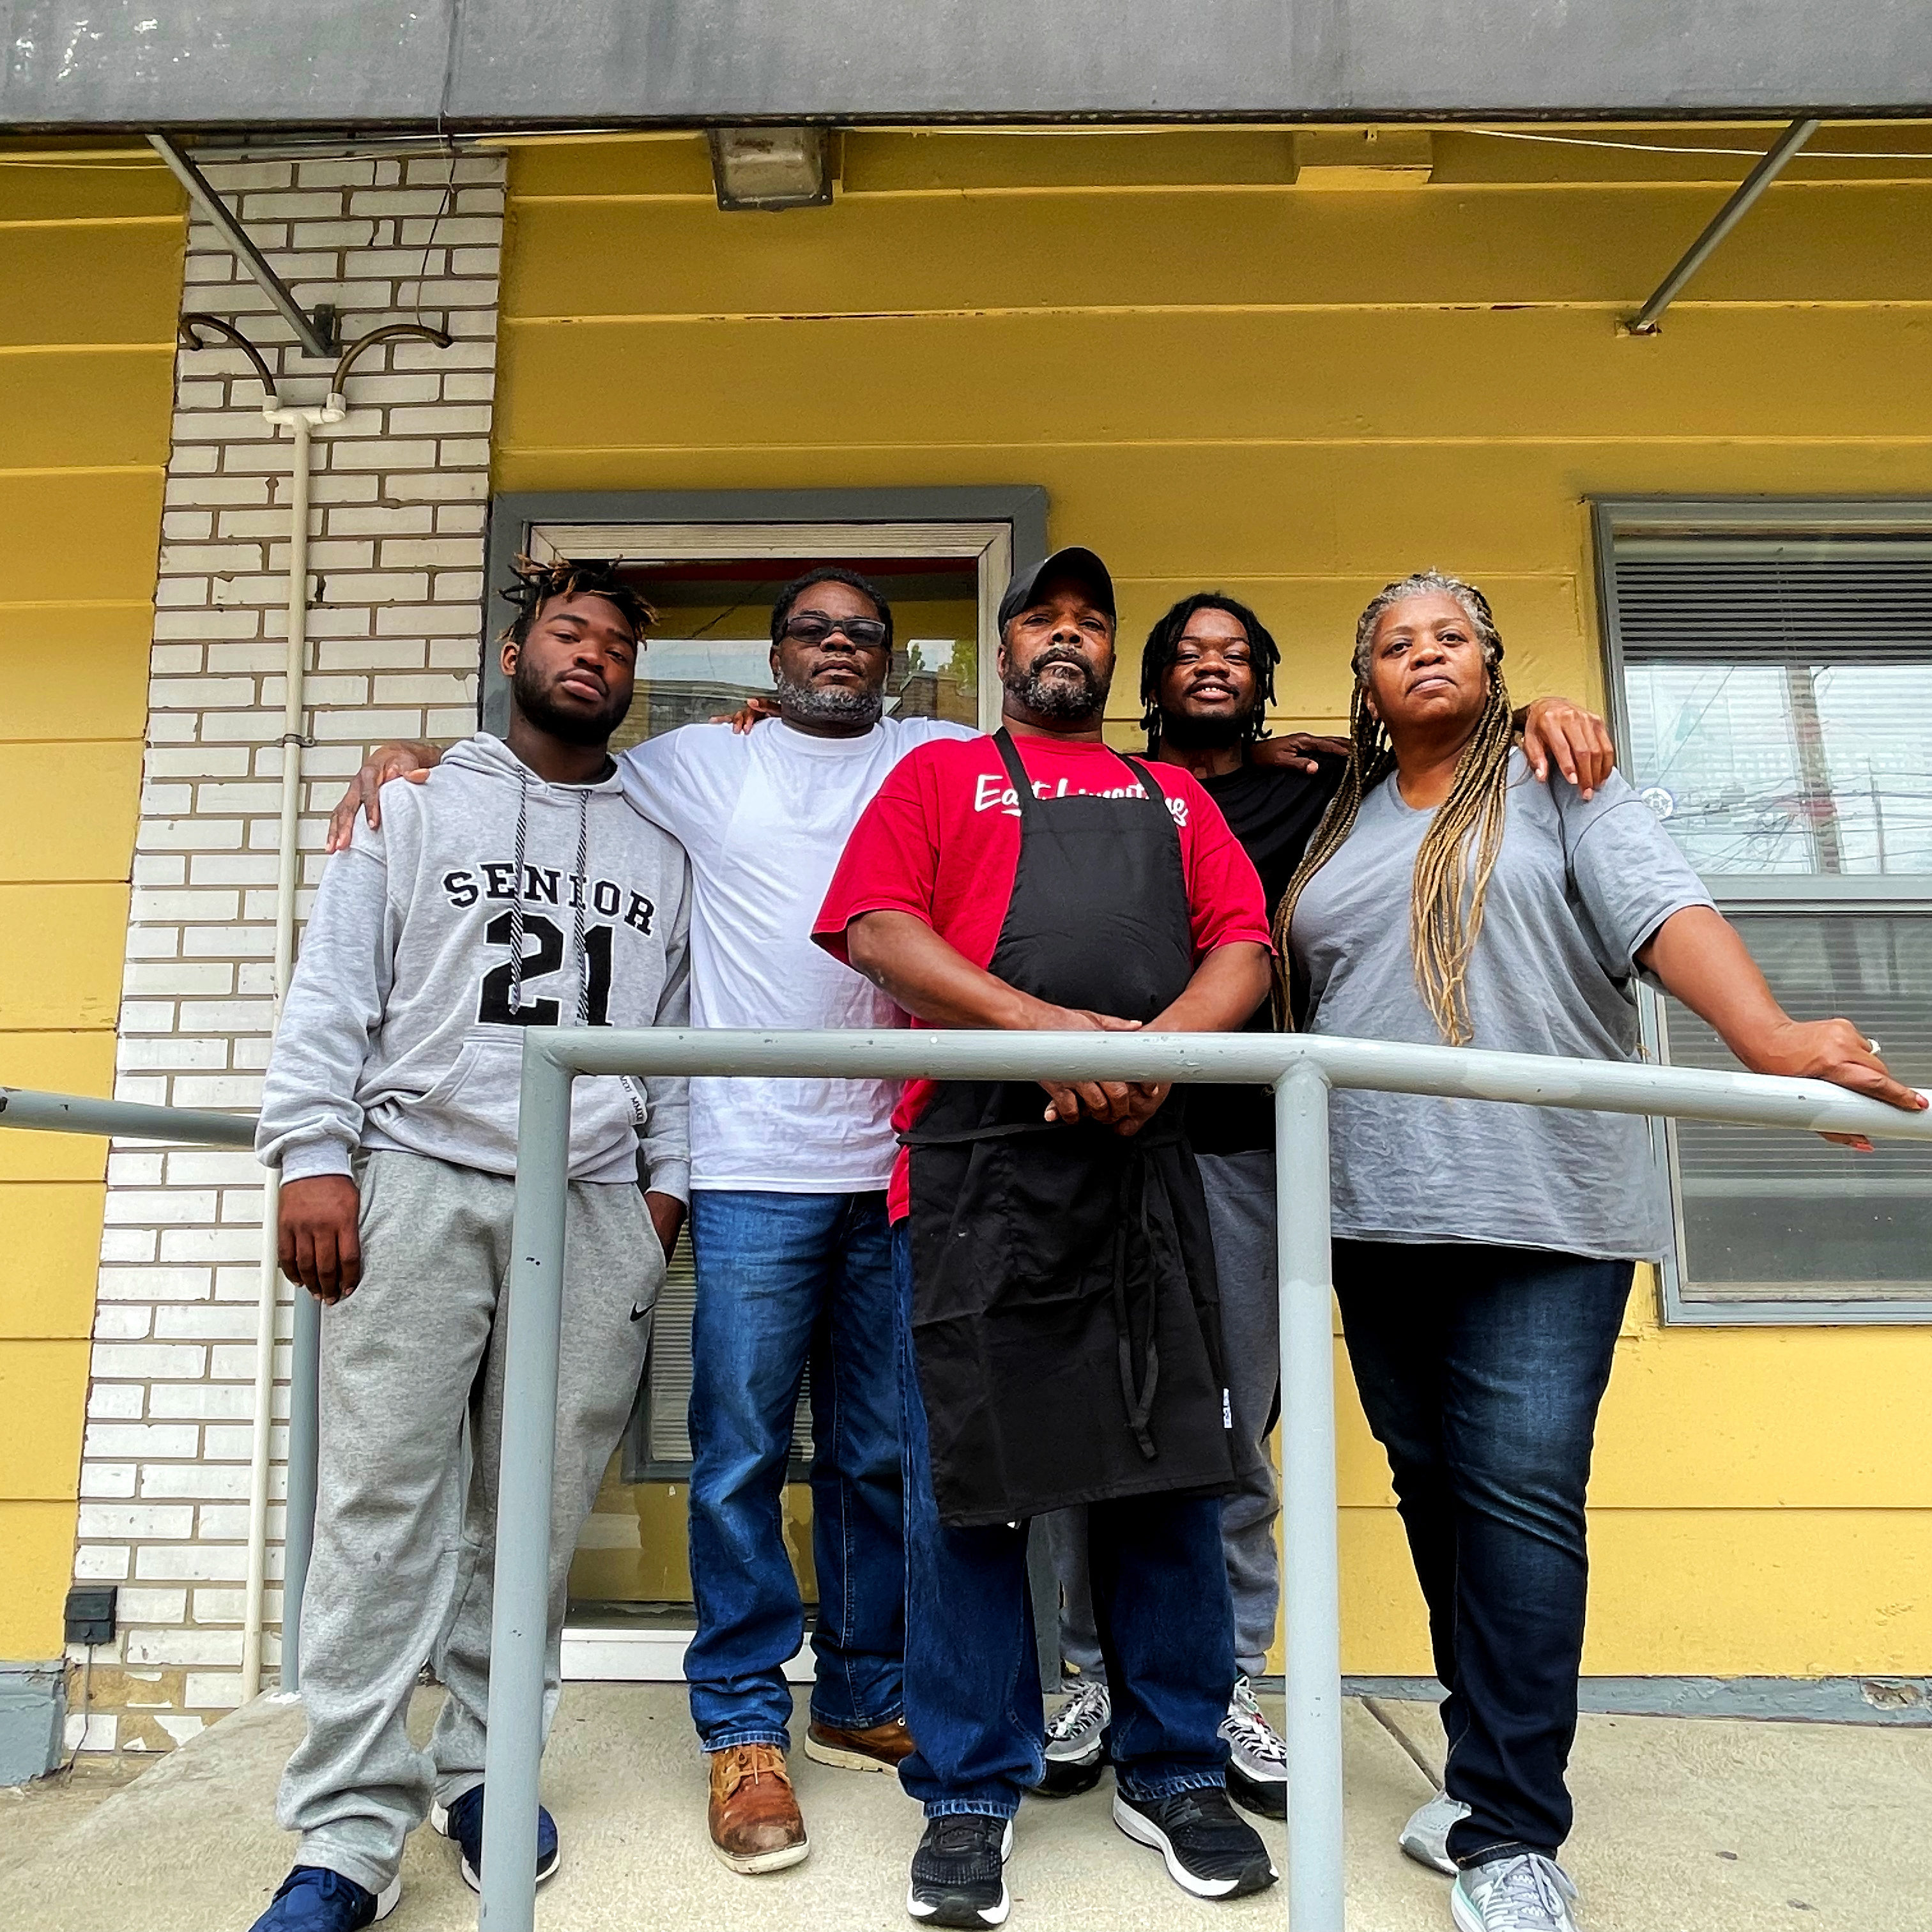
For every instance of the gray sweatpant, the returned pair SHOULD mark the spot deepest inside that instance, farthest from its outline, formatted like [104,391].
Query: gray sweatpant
[1241,1218]
[403,1563]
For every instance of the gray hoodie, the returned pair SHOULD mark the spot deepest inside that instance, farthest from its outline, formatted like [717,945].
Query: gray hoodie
[489,901]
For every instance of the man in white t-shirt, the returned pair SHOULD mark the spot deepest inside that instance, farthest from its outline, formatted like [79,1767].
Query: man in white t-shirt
[788,1217]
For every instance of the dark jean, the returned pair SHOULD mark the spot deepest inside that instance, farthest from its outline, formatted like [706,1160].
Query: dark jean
[782,1279]
[973,1695]
[1481,1370]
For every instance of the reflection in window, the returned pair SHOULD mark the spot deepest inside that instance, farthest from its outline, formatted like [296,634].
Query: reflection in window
[710,648]
[1787,768]
[1769,1215]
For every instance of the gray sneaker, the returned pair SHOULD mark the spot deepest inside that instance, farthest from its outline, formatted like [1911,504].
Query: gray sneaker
[1257,1758]
[1527,1893]
[1076,1742]
[1426,1837]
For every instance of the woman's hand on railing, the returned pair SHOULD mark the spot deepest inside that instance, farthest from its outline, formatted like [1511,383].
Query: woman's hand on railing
[318,1242]
[1835,1050]
[1699,956]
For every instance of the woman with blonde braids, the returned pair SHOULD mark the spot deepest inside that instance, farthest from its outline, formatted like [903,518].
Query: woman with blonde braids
[1483,1253]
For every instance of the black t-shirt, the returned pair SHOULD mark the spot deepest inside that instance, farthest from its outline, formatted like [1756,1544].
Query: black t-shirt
[1273,812]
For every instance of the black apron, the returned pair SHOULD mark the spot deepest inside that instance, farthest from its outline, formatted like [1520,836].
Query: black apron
[1066,1316]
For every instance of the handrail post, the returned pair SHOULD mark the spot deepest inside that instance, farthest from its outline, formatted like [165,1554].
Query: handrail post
[304,1448]
[529,1458]
[1311,1568]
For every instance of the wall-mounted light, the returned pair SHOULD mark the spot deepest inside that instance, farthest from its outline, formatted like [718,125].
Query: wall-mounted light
[771,167]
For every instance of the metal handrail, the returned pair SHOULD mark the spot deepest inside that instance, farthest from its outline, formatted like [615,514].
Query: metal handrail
[1301,1070]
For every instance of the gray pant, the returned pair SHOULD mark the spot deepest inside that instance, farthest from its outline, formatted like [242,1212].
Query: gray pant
[404,1559]
[1240,1190]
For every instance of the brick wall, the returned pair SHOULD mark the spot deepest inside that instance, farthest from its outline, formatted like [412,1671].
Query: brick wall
[396,558]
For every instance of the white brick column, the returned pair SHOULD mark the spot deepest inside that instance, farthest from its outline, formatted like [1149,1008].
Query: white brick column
[396,563]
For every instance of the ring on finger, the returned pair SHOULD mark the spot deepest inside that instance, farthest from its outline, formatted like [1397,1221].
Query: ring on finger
[1871,1047]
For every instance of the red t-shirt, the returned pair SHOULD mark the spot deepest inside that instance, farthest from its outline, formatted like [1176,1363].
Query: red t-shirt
[941,840]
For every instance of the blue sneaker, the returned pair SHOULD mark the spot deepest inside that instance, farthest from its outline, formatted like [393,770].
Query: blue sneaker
[314,1899]
[464,1822]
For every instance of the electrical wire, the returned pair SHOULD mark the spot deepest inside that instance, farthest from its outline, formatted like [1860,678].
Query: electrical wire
[86,1695]
[1661,148]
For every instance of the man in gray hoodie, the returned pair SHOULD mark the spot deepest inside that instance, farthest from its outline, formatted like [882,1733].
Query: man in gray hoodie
[516,888]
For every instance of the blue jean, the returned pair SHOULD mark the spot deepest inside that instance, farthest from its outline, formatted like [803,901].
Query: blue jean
[783,1279]
[972,1697]
[1481,1370]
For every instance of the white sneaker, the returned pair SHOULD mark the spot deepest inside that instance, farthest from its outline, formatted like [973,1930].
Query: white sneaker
[1426,1837]
[1076,1742]
[1257,1758]
[1527,1893]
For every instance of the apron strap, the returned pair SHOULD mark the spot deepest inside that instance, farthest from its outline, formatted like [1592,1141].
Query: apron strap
[1151,790]
[1137,1391]
[1029,802]
[1010,756]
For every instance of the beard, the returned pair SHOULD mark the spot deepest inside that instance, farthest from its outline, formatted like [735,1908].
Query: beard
[571,727]
[1218,734]
[831,704]
[1050,697]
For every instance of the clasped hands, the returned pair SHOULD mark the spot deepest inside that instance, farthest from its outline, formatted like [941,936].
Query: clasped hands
[1124,1105]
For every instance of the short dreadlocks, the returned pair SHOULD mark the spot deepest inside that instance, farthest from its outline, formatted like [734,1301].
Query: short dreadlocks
[1164,642]
[536,584]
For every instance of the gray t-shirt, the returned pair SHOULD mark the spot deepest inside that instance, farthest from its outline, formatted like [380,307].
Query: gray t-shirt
[1579,889]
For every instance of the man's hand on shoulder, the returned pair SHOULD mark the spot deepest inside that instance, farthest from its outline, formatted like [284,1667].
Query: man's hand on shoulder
[413,762]
[1296,751]
[1578,740]
[318,1243]
[755,708]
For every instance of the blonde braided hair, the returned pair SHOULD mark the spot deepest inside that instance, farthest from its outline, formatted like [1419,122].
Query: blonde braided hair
[1458,852]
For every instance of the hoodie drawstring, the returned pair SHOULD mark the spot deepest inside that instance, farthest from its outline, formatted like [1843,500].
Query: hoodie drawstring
[581,892]
[517,903]
[576,923]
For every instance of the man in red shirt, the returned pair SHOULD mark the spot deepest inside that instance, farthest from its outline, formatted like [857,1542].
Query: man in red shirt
[1060,1328]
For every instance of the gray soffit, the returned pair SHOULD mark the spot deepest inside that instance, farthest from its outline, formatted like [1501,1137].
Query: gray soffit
[473,65]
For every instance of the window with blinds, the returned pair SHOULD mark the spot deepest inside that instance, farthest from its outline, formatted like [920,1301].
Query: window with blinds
[1772,669]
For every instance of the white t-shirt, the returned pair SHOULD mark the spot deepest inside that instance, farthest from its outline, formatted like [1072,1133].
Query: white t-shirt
[764,816]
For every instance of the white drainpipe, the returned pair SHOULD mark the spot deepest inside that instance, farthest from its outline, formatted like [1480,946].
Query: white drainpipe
[195,331]
[304,422]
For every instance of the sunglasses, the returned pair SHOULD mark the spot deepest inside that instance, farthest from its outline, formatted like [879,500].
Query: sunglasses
[868,633]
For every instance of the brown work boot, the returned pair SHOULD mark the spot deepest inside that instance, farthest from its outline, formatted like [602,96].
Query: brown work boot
[877,1748]
[755,1825]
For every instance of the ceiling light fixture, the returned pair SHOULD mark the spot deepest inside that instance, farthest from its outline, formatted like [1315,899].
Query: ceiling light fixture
[771,167]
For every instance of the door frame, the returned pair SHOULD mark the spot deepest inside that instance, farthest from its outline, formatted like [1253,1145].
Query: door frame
[1004,526]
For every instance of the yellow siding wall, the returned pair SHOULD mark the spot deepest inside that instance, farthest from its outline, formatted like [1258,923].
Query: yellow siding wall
[1295,392]
[87,321]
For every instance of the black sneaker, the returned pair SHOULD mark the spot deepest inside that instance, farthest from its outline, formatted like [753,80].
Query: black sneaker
[1077,1742]
[958,1873]
[1210,1850]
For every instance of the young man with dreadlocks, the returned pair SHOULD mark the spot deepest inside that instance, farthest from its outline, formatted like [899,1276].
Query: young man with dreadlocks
[1207,681]
[788,1218]
[1484,1254]
[515,889]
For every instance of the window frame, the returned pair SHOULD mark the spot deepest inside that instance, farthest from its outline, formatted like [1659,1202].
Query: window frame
[1613,517]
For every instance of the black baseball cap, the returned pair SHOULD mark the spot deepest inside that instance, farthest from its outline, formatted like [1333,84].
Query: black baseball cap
[1082,566]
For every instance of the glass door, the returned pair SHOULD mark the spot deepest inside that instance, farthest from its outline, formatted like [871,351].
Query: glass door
[713,587]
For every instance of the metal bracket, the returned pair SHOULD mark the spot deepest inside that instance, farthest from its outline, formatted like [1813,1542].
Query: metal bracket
[1646,319]
[317,331]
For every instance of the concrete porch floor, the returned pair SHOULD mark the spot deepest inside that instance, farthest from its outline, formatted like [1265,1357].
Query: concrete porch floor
[1714,1824]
